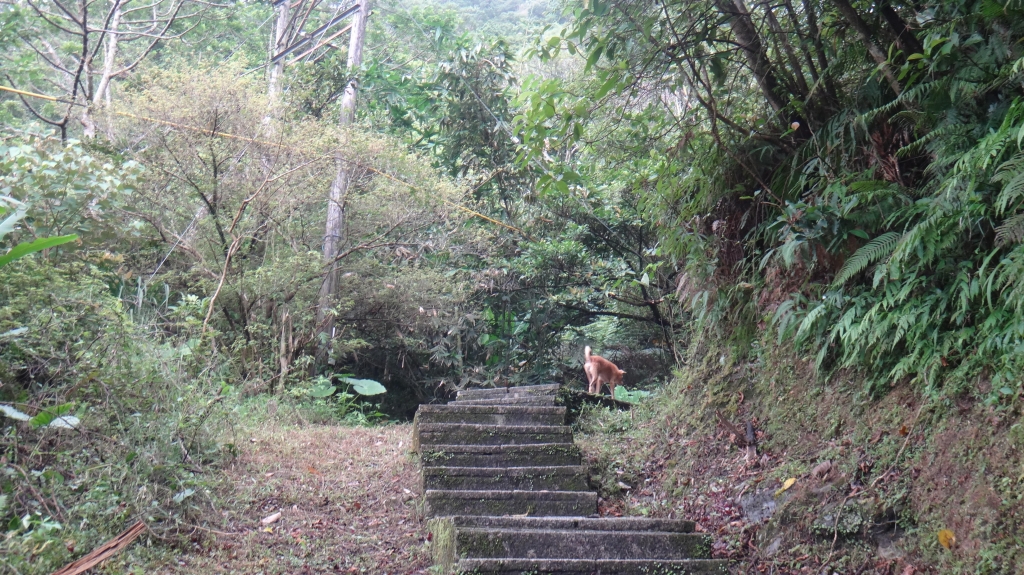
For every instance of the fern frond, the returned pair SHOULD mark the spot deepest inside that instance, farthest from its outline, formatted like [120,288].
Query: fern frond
[915,146]
[871,252]
[1011,231]
[915,94]
[1012,193]
[809,320]
[1009,169]
[1011,175]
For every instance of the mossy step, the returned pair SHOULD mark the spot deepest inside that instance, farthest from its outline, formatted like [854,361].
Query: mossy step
[440,503]
[552,478]
[582,523]
[592,567]
[490,393]
[475,434]
[577,544]
[491,414]
[509,400]
[500,455]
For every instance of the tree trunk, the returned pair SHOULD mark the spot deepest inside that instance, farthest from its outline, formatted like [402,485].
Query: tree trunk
[798,79]
[862,29]
[819,50]
[277,44]
[335,231]
[753,49]
[904,35]
[109,56]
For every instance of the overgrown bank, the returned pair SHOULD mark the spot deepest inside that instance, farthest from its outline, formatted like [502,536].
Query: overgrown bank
[878,482]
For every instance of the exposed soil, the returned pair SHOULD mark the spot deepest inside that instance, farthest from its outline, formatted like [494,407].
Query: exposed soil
[347,498]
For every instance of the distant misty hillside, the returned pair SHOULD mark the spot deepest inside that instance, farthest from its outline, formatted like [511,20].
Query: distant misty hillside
[509,18]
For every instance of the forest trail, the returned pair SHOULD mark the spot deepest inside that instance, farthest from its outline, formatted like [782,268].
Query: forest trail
[504,483]
[347,498]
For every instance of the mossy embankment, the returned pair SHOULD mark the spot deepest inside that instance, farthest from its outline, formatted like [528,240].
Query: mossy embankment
[876,479]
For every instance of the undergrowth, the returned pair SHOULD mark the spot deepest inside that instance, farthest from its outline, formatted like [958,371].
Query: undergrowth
[151,415]
[157,416]
[871,482]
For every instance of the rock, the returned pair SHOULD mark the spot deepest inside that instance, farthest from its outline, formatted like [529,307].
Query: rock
[850,521]
[822,470]
[887,547]
[760,505]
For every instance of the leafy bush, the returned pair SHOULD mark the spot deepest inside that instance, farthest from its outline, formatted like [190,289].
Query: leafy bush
[146,417]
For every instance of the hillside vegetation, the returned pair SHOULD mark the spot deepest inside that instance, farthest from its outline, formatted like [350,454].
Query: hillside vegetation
[805,215]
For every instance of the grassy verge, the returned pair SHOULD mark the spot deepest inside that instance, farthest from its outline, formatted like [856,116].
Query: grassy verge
[871,482]
[165,431]
[347,498]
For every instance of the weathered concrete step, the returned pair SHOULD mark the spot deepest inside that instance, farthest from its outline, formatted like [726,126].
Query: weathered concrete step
[576,544]
[592,567]
[509,400]
[491,393]
[581,523]
[475,434]
[500,455]
[559,478]
[444,503]
[491,414]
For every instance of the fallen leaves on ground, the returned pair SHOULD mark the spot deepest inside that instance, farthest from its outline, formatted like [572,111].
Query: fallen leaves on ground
[333,500]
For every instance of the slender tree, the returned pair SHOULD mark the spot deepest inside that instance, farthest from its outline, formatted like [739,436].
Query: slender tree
[334,235]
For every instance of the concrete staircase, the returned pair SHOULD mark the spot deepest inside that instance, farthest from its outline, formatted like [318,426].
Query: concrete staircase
[503,483]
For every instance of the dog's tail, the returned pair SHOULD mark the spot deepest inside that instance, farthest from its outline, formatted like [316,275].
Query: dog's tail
[586,353]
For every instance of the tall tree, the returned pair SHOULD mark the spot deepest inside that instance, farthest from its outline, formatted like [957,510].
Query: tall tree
[334,235]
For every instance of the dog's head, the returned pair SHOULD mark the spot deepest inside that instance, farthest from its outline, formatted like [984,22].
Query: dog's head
[617,378]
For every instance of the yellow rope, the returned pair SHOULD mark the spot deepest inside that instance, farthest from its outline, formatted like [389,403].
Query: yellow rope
[266,143]
[32,94]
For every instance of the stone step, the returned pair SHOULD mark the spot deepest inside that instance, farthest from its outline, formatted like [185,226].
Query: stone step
[490,393]
[592,567]
[476,434]
[441,503]
[491,414]
[558,478]
[581,523]
[494,543]
[500,455]
[509,400]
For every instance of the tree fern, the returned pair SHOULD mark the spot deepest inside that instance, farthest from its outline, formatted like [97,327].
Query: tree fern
[870,253]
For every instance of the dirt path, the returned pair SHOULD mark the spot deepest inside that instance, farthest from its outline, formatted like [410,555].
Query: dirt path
[347,498]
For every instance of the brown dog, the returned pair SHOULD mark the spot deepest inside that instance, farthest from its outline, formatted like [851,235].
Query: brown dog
[599,370]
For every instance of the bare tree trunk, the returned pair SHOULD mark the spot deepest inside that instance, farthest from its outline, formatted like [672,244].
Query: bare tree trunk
[279,39]
[277,44]
[109,55]
[84,76]
[862,29]
[904,35]
[794,62]
[819,49]
[753,49]
[335,231]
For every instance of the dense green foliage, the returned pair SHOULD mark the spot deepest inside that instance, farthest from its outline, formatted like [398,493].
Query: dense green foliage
[839,180]
[871,209]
